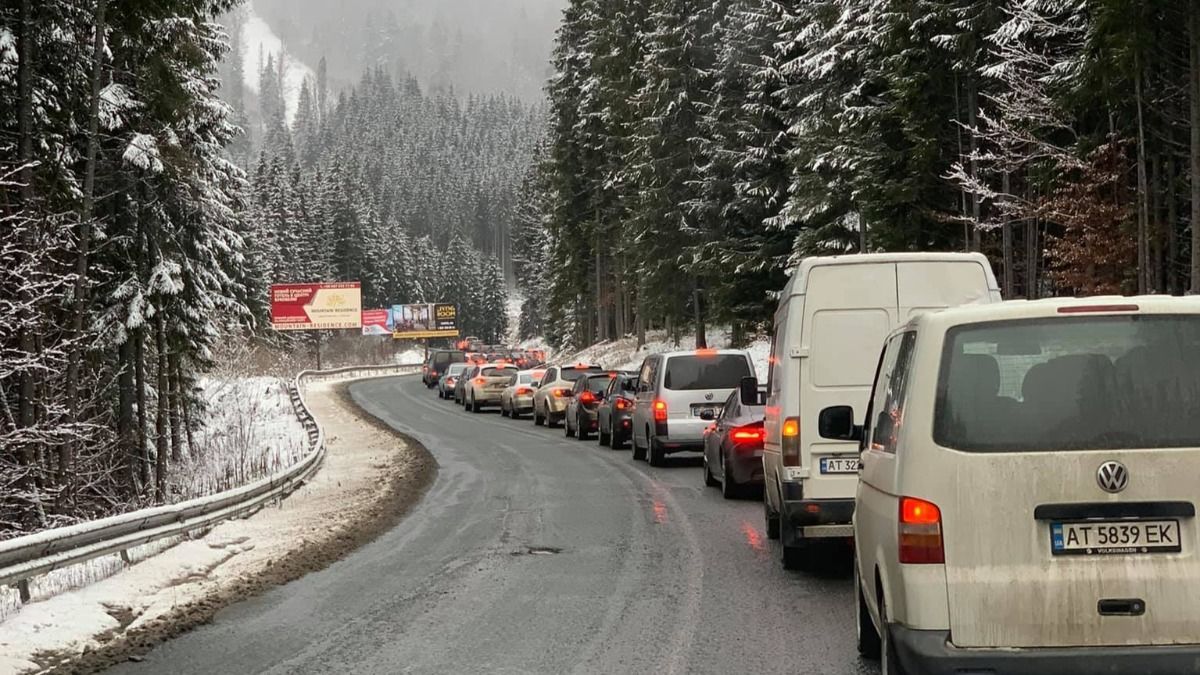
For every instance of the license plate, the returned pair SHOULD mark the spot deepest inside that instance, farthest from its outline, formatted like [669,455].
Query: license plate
[839,465]
[699,411]
[1115,537]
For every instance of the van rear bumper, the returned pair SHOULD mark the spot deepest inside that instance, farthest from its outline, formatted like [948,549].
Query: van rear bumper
[809,512]
[930,652]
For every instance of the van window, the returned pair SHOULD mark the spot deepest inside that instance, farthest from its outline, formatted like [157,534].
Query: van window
[573,374]
[695,372]
[441,359]
[1078,383]
[497,371]
[891,390]
[840,340]
[550,376]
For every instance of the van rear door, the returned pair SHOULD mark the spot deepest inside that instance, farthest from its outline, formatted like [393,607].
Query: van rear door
[1064,464]
[924,286]
[848,312]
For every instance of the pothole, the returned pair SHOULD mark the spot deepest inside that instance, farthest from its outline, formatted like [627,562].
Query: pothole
[538,550]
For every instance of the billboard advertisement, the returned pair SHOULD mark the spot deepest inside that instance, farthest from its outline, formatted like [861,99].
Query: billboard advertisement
[415,322]
[376,322]
[329,306]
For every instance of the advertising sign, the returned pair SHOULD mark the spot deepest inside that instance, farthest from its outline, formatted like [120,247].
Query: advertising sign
[376,322]
[316,306]
[415,322]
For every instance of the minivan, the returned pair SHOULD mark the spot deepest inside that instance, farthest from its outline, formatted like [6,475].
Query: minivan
[436,364]
[1028,492]
[679,394]
[833,315]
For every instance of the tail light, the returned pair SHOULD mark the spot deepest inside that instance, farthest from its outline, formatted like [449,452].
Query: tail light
[790,445]
[752,434]
[660,411]
[433,374]
[479,381]
[451,379]
[587,397]
[920,532]
[560,393]
[524,391]
[621,404]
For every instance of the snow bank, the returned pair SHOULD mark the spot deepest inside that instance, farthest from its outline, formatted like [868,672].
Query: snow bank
[413,356]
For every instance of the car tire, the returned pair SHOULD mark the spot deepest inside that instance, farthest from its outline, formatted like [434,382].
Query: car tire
[729,488]
[772,519]
[639,453]
[889,659]
[658,454]
[503,411]
[616,439]
[870,645]
[567,429]
[581,432]
[709,480]
[475,407]
[538,420]
[605,437]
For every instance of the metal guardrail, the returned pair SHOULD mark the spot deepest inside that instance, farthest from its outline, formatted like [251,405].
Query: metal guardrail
[25,557]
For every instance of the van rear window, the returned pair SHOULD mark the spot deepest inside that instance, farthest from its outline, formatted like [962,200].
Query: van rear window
[444,358]
[1085,383]
[718,371]
[572,374]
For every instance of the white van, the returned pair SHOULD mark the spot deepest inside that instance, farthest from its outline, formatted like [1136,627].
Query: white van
[833,315]
[1029,487]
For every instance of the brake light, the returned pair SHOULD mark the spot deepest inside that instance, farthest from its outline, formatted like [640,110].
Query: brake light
[748,434]
[621,404]
[920,532]
[524,391]
[451,379]
[660,411]
[560,393]
[587,397]
[706,351]
[479,380]
[790,445]
[1089,309]
[434,373]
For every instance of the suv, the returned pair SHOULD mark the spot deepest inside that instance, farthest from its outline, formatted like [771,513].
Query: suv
[436,364]
[550,400]
[1028,492]
[486,385]
[676,391]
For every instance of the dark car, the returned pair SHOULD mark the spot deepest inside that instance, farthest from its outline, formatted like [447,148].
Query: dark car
[460,387]
[615,414]
[580,419]
[733,448]
[436,364]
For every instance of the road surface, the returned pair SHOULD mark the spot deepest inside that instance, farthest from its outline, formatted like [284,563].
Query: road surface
[533,553]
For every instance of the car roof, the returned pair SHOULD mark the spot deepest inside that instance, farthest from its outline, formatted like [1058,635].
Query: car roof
[799,279]
[698,352]
[1016,310]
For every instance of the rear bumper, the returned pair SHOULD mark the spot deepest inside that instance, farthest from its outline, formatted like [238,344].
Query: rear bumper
[746,467]
[810,512]
[488,396]
[930,652]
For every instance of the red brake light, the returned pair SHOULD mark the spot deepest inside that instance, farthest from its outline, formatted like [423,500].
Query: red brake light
[524,391]
[587,397]
[920,532]
[706,351]
[660,411]
[1089,309]
[559,393]
[621,404]
[479,380]
[749,434]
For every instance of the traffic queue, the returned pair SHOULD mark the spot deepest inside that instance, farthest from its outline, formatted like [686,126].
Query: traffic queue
[1016,478]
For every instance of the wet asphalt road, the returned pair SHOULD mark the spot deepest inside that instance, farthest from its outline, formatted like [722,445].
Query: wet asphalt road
[533,553]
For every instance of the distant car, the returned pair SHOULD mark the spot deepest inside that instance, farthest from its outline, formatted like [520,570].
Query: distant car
[517,397]
[550,401]
[675,390]
[485,386]
[450,378]
[460,387]
[615,414]
[436,364]
[580,419]
[733,448]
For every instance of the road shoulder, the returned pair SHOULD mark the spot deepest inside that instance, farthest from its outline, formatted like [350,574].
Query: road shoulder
[371,478]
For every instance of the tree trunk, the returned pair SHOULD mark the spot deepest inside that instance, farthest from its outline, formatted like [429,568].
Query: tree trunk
[1194,89]
[25,386]
[972,105]
[1173,277]
[125,400]
[186,408]
[143,417]
[619,301]
[1007,250]
[1158,282]
[640,319]
[176,408]
[698,311]
[1143,222]
[163,402]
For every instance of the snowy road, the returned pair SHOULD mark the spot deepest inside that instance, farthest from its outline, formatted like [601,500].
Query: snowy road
[535,553]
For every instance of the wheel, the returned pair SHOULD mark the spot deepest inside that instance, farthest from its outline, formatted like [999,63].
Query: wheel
[709,481]
[729,487]
[639,453]
[616,438]
[538,420]
[475,407]
[658,454]
[869,644]
[772,519]
[567,428]
[889,659]
[581,431]
[503,411]
[606,437]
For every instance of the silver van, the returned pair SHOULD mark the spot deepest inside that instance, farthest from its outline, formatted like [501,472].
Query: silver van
[679,394]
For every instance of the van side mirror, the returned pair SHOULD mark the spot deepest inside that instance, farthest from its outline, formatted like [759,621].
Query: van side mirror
[837,423]
[748,391]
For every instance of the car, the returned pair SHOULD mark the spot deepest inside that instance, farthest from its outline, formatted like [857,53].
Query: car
[675,389]
[733,448]
[615,414]
[1027,499]
[581,417]
[550,400]
[460,387]
[436,363]
[517,397]
[832,317]
[450,378]
[484,387]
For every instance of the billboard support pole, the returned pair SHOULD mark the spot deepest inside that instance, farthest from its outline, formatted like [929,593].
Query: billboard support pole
[317,334]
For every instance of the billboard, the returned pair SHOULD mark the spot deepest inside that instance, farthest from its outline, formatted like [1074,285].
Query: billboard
[316,306]
[414,322]
[376,322]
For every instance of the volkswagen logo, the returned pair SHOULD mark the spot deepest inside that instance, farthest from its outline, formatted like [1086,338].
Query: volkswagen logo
[1112,477]
[708,397]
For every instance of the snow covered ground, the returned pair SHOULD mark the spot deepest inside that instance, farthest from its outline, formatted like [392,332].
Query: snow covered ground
[623,354]
[259,41]
[413,356]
